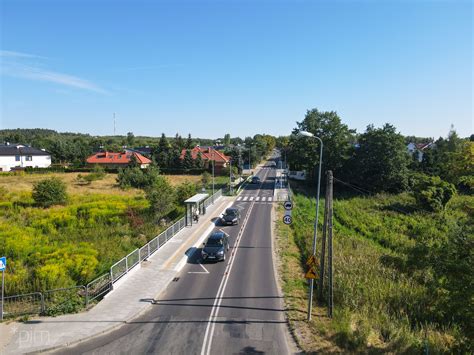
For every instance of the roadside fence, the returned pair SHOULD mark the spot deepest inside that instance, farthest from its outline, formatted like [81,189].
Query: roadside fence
[74,299]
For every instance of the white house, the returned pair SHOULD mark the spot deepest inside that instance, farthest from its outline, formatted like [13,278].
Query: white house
[22,156]
[418,149]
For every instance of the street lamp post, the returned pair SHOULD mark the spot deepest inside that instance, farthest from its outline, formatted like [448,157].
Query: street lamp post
[212,155]
[230,176]
[315,235]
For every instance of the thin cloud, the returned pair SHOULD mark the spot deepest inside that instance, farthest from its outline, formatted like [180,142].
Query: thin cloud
[33,72]
[13,54]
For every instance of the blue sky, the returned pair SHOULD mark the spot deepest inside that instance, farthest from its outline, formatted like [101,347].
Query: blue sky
[239,67]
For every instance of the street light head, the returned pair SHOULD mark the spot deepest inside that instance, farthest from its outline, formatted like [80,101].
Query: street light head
[305,134]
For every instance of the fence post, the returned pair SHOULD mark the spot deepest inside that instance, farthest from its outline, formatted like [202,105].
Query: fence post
[87,296]
[148,249]
[43,307]
[126,264]
[139,256]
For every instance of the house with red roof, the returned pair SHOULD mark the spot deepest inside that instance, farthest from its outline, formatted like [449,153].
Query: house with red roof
[117,160]
[209,154]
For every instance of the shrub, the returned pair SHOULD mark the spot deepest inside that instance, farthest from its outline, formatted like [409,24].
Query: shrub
[137,177]
[50,192]
[205,179]
[161,196]
[185,191]
[432,193]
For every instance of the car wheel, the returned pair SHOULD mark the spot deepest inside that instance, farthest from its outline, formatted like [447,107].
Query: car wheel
[223,259]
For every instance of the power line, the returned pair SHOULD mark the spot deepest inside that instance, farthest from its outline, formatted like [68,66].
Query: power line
[370,193]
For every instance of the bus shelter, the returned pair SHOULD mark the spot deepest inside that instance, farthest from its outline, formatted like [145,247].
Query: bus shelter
[195,205]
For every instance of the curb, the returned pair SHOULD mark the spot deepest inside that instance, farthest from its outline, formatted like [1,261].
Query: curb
[113,327]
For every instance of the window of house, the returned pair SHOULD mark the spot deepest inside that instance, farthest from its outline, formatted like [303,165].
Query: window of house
[29,158]
[17,158]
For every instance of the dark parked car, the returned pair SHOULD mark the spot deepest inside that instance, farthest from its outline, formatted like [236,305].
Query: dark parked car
[255,180]
[231,216]
[216,247]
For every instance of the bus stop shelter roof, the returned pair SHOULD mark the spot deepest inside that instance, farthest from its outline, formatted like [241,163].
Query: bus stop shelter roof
[197,198]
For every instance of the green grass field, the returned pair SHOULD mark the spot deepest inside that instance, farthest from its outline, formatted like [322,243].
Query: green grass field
[387,297]
[70,245]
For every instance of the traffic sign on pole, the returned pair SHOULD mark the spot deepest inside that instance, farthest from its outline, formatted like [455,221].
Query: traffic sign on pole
[3,265]
[287,219]
[288,205]
[311,260]
[311,274]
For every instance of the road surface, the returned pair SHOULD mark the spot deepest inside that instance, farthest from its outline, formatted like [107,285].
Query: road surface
[230,307]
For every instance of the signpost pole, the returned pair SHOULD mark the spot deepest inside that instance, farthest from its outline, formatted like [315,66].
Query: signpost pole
[3,283]
[3,265]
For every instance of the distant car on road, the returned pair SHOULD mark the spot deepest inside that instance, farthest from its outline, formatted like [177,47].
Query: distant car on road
[255,180]
[231,216]
[215,247]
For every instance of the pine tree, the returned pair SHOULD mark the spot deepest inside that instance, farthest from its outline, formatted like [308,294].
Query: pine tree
[163,152]
[188,161]
[199,163]
[189,142]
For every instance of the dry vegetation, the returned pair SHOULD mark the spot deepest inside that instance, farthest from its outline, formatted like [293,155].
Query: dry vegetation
[108,185]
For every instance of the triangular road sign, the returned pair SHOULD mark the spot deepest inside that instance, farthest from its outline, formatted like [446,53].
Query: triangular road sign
[311,260]
[311,274]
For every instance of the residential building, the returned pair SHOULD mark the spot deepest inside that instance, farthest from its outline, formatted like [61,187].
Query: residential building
[418,149]
[117,160]
[209,154]
[22,156]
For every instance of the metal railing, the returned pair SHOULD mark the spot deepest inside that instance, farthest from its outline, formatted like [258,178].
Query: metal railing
[98,287]
[73,299]
[18,305]
[64,300]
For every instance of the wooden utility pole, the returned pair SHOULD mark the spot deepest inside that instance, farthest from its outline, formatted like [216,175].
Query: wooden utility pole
[323,241]
[330,268]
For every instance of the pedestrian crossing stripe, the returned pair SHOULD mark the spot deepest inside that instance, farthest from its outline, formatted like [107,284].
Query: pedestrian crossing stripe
[264,198]
[270,199]
[257,198]
[251,198]
[239,198]
[245,198]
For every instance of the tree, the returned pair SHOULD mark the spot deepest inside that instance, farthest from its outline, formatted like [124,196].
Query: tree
[227,139]
[381,160]
[161,197]
[50,192]
[451,159]
[162,152]
[188,161]
[185,191]
[303,153]
[130,139]
[432,193]
[189,142]
[205,179]
[199,163]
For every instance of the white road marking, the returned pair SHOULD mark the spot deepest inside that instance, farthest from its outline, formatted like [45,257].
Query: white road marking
[239,198]
[251,198]
[199,272]
[245,198]
[263,198]
[257,198]
[206,346]
[270,199]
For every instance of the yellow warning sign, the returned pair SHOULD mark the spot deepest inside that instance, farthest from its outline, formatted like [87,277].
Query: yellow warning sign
[311,261]
[311,274]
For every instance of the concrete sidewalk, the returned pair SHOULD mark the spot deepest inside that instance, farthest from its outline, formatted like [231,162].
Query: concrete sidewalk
[130,299]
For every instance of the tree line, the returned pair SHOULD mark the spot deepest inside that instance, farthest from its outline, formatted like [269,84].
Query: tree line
[377,160]
[74,148]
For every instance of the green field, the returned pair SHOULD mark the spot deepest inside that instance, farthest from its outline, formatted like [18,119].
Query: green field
[403,278]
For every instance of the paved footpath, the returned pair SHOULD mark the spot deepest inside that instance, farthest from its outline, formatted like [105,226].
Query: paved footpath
[131,298]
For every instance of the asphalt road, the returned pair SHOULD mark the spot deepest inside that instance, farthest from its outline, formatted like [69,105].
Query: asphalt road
[230,307]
